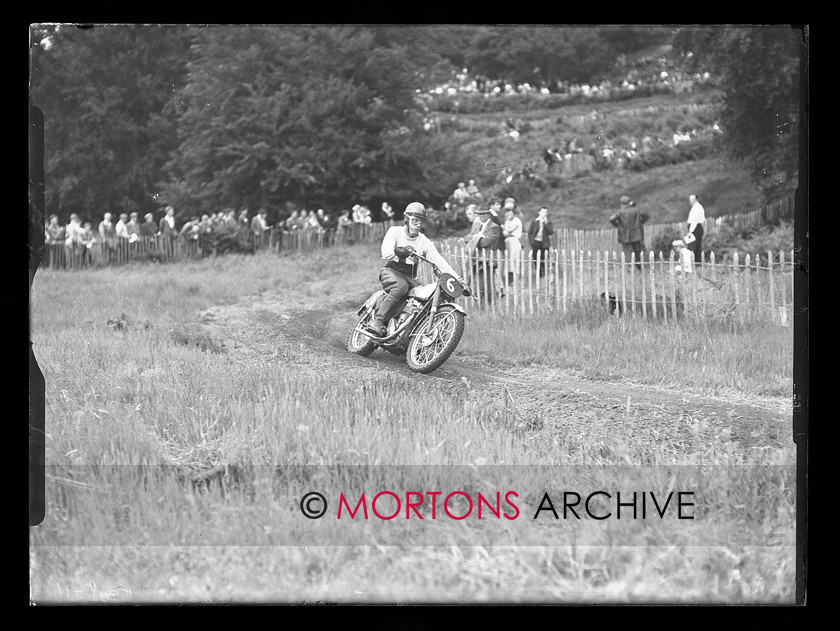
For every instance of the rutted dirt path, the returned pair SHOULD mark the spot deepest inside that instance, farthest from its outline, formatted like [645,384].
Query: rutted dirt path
[285,329]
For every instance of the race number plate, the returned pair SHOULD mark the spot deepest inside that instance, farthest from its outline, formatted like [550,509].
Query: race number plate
[451,285]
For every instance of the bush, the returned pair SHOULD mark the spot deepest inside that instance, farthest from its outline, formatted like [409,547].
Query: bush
[663,242]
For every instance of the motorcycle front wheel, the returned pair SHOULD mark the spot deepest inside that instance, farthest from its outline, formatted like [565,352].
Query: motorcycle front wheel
[428,350]
[357,343]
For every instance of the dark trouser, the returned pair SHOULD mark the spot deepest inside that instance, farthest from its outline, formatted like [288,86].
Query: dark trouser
[484,272]
[697,246]
[543,250]
[396,286]
[634,247]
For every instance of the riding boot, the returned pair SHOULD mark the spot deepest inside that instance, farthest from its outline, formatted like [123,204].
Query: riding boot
[386,310]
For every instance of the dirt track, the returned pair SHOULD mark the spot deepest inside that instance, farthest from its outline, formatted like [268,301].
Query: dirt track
[285,329]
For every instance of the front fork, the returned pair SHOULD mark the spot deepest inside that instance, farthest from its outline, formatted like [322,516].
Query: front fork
[435,302]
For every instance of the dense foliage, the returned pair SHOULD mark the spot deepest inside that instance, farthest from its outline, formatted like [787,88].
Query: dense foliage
[759,70]
[278,117]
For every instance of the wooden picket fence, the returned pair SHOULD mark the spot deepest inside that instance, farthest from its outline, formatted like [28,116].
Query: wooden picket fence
[749,288]
[601,239]
[58,256]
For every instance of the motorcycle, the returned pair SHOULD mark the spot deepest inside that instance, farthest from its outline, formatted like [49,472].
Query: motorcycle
[426,328]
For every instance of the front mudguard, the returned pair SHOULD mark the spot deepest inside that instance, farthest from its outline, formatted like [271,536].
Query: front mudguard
[455,306]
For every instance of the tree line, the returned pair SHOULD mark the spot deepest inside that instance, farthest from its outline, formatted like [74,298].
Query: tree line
[282,117]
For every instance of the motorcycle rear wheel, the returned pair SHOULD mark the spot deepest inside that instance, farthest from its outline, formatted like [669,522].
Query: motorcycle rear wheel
[426,352]
[357,343]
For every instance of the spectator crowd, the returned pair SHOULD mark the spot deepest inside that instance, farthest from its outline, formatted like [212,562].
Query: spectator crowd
[124,236]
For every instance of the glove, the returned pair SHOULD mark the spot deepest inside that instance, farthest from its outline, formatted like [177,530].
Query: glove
[403,252]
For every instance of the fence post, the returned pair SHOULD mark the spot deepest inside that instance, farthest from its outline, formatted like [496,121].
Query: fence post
[664,289]
[644,285]
[565,306]
[653,283]
[673,279]
[531,284]
[759,286]
[736,286]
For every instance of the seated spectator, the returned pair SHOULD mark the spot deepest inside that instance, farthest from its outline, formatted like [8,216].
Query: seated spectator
[472,190]
[552,156]
[460,194]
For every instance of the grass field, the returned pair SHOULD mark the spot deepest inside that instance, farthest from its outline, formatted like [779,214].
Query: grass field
[239,361]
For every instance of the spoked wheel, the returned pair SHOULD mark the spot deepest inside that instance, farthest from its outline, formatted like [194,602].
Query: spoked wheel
[428,350]
[359,344]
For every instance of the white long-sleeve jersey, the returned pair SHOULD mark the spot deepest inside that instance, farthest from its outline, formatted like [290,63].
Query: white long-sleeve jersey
[397,236]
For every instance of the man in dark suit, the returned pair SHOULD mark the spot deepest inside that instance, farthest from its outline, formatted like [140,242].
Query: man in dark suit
[631,230]
[539,236]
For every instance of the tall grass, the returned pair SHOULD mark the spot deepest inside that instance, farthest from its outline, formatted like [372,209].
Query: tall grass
[135,411]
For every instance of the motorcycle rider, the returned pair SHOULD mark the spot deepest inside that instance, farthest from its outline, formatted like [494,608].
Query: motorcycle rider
[399,274]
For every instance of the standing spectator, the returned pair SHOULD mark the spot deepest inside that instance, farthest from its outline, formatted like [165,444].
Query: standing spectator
[166,229]
[486,244]
[387,212]
[121,228]
[312,222]
[539,236]
[73,242]
[148,228]
[90,249]
[631,230]
[53,241]
[344,230]
[53,233]
[259,227]
[685,257]
[361,214]
[696,225]
[243,219]
[512,231]
[108,234]
[472,218]
[291,223]
[133,227]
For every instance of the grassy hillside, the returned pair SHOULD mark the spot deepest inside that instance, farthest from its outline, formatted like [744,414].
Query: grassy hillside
[585,200]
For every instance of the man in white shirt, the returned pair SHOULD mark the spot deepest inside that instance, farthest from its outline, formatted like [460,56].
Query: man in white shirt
[122,226]
[696,224]
[400,272]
